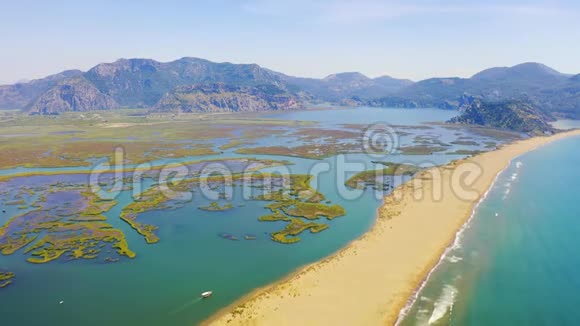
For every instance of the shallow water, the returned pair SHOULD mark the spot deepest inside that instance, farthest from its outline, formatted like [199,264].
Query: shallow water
[368,115]
[516,262]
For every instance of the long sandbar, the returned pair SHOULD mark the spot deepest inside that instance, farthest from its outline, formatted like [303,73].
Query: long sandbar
[371,280]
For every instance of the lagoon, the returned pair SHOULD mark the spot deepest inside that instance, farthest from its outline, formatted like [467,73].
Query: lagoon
[162,284]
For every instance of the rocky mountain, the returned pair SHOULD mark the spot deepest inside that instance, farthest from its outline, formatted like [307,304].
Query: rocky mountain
[514,115]
[75,94]
[494,83]
[144,83]
[391,84]
[338,87]
[19,95]
[529,72]
[130,83]
[555,93]
[222,97]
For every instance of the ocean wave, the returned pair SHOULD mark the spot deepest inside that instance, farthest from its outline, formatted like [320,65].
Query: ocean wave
[456,244]
[508,189]
[444,304]
[455,259]
[424,298]
[518,166]
[512,178]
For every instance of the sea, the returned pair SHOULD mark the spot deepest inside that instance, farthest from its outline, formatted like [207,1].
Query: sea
[516,262]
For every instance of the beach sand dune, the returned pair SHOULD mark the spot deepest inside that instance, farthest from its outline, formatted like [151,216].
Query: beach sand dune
[371,280]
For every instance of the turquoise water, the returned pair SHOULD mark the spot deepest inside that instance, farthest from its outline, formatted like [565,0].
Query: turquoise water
[517,262]
[162,284]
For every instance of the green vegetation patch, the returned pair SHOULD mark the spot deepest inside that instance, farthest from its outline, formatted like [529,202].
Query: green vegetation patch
[154,199]
[313,211]
[62,229]
[465,142]
[215,207]
[5,279]
[422,149]
[371,177]
[294,228]
[465,152]
[298,202]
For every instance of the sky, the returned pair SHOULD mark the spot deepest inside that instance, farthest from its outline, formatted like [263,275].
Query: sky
[413,39]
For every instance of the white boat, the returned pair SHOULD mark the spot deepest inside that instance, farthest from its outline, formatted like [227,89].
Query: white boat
[206,294]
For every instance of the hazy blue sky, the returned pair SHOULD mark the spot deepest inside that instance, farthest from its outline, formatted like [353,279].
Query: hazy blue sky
[413,39]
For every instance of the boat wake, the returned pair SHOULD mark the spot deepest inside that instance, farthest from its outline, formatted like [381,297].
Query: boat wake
[185,306]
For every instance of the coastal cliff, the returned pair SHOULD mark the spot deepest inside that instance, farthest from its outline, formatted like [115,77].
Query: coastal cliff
[516,115]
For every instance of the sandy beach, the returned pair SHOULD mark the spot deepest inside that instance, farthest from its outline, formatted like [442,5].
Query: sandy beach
[369,281]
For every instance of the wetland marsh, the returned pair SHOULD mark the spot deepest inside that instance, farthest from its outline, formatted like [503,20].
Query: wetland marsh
[113,238]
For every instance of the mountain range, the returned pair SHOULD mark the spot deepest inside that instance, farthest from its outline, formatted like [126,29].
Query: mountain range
[198,85]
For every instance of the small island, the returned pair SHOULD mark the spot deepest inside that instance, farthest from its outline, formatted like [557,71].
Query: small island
[313,211]
[294,228]
[5,279]
[215,207]
[293,204]
[373,177]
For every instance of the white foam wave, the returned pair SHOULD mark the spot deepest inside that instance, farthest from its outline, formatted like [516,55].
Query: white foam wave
[424,298]
[455,259]
[508,187]
[444,304]
[456,244]
[512,178]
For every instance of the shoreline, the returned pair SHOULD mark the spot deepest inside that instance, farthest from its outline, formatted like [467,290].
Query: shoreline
[456,238]
[397,265]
